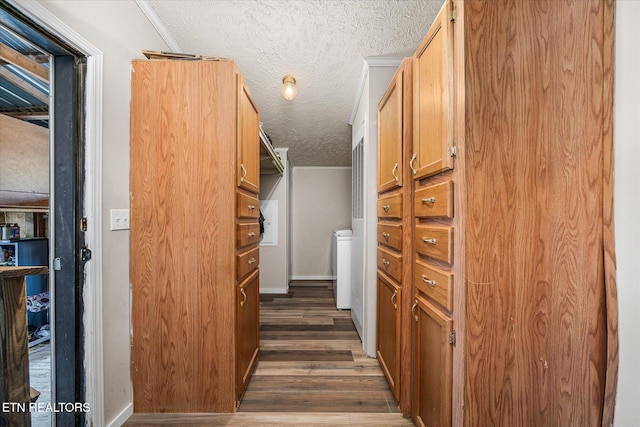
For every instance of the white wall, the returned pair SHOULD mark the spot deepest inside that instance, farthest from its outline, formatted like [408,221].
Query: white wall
[120,30]
[274,260]
[321,203]
[626,131]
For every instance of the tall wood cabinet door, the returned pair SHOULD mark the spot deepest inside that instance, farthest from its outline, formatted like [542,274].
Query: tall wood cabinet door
[433,363]
[248,167]
[248,330]
[433,99]
[388,339]
[390,136]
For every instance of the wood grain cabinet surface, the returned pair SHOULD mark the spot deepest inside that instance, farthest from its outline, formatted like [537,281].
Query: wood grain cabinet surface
[194,203]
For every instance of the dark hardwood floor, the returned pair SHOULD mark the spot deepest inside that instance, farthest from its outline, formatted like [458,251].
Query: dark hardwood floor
[312,370]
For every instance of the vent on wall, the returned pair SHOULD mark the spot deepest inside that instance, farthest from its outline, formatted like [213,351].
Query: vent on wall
[357,180]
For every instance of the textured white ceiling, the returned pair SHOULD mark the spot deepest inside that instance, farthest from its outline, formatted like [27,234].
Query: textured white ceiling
[322,43]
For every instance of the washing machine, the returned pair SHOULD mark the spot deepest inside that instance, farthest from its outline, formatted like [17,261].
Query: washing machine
[341,268]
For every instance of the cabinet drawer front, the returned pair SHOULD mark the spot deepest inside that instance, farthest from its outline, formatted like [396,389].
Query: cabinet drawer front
[247,234]
[435,283]
[390,206]
[247,261]
[390,235]
[434,201]
[390,263]
[247,206]
[435,242]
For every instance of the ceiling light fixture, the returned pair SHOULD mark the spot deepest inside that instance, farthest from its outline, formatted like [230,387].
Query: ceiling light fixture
[289,87]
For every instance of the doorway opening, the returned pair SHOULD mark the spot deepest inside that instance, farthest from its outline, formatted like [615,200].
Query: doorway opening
[42,105]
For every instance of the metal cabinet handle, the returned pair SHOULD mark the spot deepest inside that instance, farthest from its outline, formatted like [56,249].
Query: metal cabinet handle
[252,234]
[251,261]
[244,297]
[394,298]
[429,282]
[386,208]
[244,172]
[385,263]
[413,309]
[413,158]
[386,235]
[393,173]
[428,200]
[429,241]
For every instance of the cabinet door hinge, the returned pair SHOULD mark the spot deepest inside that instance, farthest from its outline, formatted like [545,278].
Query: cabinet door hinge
[453,151]
[453,14]
[452,338]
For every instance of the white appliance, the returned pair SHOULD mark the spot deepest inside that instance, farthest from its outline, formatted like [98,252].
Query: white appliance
[341,268]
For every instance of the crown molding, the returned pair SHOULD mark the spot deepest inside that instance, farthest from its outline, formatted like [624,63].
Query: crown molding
[158,25]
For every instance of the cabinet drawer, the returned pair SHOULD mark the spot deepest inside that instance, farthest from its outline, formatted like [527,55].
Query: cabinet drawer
[247,234]
[435,283]
[390,235]
[390,206]
[247,206]
[390,263]
[247,261]
[434,201]
[435,242]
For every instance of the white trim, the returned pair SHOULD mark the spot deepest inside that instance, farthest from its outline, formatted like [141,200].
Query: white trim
[122,417]
[321,167]
[313,278]
[274,290]
[93,315]
[371,61]
[158,25]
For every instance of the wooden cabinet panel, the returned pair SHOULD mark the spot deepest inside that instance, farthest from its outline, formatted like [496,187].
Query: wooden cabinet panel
[248,168]
[247,206]
[390,263]
[433,100]
[390,235]
[248,338]
[435,242]
[434,201]
[247,234]
[433,365]
[388,331]
[435,283]
[390,207]
[390,136]
[247,261]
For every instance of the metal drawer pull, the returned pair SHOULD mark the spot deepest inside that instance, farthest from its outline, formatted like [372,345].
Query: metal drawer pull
[395,168]
[429,282]
[385,263]
[252,234]
[386,208]
[413,170]
[428,200]
[252,260]
[429,241]
[394,298]
[413,309]
[244,297]
[386,235]
[251,207]
[244,172]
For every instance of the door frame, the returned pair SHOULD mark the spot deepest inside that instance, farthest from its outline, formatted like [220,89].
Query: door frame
[92,317]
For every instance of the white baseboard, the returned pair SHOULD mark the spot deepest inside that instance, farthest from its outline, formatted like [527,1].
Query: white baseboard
[313,277]
[274,290]
[122,417]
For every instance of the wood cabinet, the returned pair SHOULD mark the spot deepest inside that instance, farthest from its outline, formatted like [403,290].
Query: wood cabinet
[394,281]
[194,205]
[433,361]
[433,100]
[514,283]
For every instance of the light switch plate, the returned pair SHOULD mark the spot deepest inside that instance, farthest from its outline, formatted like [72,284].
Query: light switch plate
[119,219]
